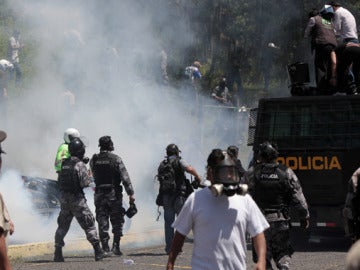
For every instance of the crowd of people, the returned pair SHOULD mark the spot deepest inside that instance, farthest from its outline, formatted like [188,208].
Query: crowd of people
[254,202]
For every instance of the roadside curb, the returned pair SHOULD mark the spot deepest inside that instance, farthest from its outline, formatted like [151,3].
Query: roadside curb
[129,240]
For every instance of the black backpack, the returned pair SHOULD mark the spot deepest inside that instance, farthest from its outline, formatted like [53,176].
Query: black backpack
[167,176]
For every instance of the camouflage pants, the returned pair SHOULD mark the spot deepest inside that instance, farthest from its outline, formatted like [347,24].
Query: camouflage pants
[278,245]
[78,208]
[109,206]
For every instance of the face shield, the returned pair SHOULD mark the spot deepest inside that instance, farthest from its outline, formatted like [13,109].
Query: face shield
[226,175]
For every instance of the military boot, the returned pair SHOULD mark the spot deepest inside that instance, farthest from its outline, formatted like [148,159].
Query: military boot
[116,249]
[106,248]
[58,256]
[99,254]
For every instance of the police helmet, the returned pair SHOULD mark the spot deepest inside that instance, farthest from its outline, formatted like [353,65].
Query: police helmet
[70,134]
[172,149]
[77,148]
[105,143]
[267,152]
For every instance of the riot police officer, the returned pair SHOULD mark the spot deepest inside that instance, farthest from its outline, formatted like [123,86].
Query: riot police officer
[73,177]
[110,175]
[274,187]
[63,149]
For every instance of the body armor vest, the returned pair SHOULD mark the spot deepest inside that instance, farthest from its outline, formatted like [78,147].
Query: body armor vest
[104,169]
[68,181]
[271,189]
[179,173]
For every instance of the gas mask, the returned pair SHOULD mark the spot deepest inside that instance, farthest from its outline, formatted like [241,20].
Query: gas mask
[228,189]
[226,179]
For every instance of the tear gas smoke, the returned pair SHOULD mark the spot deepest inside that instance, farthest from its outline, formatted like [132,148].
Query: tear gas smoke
[101,53]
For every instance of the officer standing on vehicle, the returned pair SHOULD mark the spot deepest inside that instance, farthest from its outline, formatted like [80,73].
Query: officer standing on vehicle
[109,173]
[275,187]
[73,177]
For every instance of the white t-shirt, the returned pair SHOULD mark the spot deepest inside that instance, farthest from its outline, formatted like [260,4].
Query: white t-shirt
[345,23]
[219,226]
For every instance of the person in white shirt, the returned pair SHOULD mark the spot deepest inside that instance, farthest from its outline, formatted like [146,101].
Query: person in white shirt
[344,23]
[220,216]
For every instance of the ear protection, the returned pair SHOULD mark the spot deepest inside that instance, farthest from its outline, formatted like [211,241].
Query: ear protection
[228,190]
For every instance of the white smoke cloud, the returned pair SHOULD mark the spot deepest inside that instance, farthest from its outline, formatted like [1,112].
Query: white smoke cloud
[101,56]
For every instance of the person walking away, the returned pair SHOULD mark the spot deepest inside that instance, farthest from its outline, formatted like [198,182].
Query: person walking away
[275,188]
[63,150]
[173,189]
[73,177]
[110,175]
[220,216]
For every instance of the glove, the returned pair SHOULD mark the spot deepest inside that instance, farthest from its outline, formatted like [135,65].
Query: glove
[132,210]
[304,223]
[195,184]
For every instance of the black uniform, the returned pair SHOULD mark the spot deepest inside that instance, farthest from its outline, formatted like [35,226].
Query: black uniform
[274,187]
[109,173]
[72,179]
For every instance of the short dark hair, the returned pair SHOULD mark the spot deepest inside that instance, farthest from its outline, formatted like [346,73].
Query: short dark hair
[335,4]
[215,157]
[233,151]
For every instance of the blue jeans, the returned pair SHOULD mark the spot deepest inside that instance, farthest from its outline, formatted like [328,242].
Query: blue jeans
[169,217]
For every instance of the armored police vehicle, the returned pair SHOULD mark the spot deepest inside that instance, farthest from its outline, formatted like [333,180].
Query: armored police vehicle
[319,138]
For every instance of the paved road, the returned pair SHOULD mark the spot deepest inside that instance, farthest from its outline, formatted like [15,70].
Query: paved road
[328,255]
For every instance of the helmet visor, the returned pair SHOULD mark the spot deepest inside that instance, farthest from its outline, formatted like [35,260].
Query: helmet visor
[226,175]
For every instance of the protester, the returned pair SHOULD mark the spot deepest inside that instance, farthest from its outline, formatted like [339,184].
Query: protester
[348,67]
[221,93]
[321,31]
[220,216]
[344,23]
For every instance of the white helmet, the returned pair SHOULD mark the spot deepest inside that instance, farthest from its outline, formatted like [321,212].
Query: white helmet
[71,133]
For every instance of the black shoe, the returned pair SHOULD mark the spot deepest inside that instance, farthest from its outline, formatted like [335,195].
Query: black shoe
[106,249]
[58,256]
[99,254]
[116,249]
